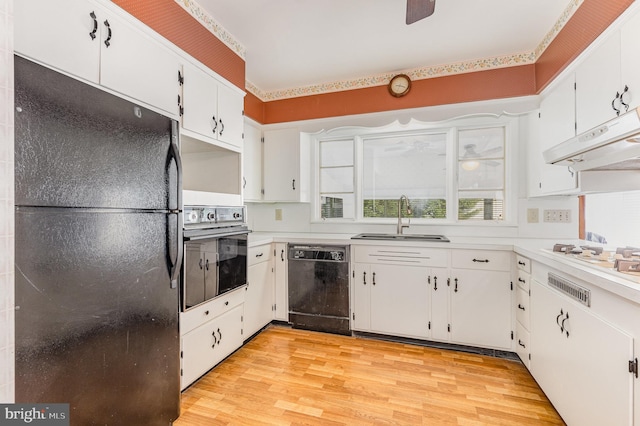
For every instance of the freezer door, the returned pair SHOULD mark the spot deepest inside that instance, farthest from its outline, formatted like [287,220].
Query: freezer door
[78,146]
[96,319]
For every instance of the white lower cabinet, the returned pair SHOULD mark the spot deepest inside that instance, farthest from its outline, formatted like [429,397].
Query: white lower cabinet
[281,295]
[258,303]
[209,333]
[392,300]
[580,361]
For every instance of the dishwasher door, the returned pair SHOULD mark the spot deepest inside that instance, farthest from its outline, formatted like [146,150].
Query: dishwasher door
[318,278]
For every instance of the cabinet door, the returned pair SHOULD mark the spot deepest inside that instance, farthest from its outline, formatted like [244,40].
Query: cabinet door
[209,344]
[361,281]
[630,61]
[259,298]
[557,124]
[439,304]
[281,165]
[582,367]
[481,308]
[231,116]
[200,93]
[252,164]
[59,34]
[281,290]
[209,264]
[399,300]
[597,81]
[138,66]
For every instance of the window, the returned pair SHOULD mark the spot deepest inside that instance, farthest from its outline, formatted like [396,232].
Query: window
[456,173]
[337,197]
[612,218]
[413,165]
[481,174]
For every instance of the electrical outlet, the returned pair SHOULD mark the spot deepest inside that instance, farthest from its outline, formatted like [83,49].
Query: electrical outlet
[278,214]
[557,216]
[532,215]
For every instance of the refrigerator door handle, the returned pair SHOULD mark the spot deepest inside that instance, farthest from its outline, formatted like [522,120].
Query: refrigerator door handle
[174,153]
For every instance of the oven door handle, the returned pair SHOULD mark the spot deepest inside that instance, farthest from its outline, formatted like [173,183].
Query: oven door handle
[217,235]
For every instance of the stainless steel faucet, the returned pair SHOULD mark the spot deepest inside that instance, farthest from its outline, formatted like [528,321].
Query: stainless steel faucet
[401,226]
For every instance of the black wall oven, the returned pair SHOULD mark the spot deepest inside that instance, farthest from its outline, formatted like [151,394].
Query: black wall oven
[215,253]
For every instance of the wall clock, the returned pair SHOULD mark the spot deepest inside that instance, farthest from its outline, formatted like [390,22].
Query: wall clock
[399,85]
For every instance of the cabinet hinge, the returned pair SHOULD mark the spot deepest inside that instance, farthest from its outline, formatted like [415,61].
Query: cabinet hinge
[353,274]
[511,285]
[511,335]
[262,139]
[353,316]
[429,325]
[449,328]
[539,115]
[262,191]
[181,354]
[529,357]
[633,367]
[181,373]
[180,78]
[241,331]
[242,135]
[180,107]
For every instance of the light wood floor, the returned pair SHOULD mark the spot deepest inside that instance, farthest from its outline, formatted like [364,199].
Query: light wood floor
[293,377]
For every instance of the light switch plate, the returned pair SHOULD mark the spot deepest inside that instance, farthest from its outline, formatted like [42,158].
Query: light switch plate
[532,215]
[278,214]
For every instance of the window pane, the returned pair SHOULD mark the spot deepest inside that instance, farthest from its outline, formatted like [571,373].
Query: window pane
[336,153]
[481,174]
[413,165]
[481,143]
[338,206]
[481,205]
[336,179]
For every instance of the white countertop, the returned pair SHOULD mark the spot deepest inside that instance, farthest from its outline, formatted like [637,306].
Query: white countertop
[624,285]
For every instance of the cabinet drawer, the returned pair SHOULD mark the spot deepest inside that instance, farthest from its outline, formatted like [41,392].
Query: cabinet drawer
[523,264]
[522,344]
[259,254]
[409,256]
[481,259]
[522,307]
[211,309]
[523,280]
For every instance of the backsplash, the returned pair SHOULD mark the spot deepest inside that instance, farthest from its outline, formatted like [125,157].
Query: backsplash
[6,204]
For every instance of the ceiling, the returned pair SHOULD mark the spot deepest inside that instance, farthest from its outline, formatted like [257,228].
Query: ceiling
[297,43]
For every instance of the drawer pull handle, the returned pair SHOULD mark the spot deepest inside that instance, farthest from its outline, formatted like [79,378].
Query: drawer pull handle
[481,260]
[226,303]
[520,306]
[259,255]
[206,312]
[521,344]
[521,263]
[521,280]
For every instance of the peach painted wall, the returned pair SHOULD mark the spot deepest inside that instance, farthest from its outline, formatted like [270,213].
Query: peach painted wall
[587,23]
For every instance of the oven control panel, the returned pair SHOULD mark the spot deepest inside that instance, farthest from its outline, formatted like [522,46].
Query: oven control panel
[212,216]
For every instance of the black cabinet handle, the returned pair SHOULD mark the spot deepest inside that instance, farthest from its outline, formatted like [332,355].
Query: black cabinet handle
[222,125]
[364,278]
[562,328]
[244,182]
[625,105]
[215,122]
[259,254]
[613,103]
[206,265]
[293,184]
[455,289]
[206,312]
[282,255]
[435,283]
[374,279]
[226,303]
[558,317]
[481,260]
[521,280]
[520,306]
[107,42]
[219,336]
[92,34]
[200,263]
[521,344]
[521,263]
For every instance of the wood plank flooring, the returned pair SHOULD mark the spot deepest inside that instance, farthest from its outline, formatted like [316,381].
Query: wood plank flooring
[295,377]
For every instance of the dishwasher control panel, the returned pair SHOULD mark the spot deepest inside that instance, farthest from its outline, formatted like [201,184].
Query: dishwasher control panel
[328,253]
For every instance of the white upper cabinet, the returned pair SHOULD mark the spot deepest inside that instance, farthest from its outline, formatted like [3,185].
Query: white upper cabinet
[210,108]
[597,84]
[286,165]
[101,45]
[252,163]
[630,61]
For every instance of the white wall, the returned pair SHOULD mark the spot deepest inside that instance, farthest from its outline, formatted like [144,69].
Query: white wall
[6,204]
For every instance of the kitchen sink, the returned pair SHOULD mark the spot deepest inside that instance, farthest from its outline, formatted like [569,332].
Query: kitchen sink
[402,237]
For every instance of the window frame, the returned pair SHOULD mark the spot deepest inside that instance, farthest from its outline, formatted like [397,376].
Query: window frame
[451,128]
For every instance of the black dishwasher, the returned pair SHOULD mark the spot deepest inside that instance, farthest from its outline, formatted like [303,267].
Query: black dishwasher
[319,288]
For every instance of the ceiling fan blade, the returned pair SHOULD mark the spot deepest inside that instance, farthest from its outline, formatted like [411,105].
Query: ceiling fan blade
[419,9]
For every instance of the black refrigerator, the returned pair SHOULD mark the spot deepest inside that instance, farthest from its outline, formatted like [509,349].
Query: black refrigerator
[98,232]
